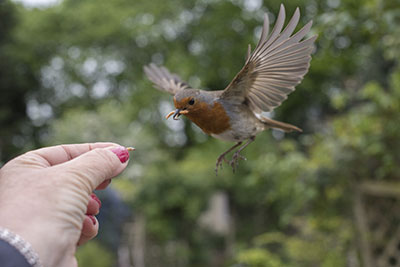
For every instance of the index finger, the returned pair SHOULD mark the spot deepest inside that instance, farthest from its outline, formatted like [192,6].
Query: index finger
[62,153]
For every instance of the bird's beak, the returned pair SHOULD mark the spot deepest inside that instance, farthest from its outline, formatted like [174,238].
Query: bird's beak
[176,113]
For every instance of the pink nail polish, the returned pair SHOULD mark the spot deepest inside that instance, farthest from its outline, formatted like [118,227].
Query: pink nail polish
[122,153]
[95,198]
[93,219]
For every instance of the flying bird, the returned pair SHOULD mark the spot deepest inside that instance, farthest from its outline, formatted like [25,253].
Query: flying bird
[278,63]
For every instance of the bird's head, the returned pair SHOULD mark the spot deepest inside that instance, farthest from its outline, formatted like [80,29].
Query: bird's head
[188,101]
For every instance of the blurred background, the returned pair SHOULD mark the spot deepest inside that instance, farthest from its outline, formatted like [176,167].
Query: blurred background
[71,72]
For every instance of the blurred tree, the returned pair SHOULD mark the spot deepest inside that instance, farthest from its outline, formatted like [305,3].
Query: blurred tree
[17,81]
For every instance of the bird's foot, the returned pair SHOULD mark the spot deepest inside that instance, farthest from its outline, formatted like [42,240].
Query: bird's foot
[219,162]
[235,160]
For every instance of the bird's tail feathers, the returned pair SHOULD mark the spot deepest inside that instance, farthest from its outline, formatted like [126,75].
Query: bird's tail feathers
[270,123]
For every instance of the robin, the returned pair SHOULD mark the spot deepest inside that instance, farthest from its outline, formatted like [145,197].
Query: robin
[277,64]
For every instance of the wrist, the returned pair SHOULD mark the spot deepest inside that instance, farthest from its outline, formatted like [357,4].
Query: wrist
[21,245]
[53,248]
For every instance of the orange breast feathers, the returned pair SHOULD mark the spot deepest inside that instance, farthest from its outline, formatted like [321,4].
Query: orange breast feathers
[211,119]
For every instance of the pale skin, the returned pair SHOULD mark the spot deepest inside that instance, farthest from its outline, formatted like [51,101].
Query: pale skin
[45,197]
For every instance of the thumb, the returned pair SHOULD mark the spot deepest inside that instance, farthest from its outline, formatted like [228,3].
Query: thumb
[92,168]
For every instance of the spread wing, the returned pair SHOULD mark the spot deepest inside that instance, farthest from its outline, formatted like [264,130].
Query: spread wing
[164,80]
[277,64]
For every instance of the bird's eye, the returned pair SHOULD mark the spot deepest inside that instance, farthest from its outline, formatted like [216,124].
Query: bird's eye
[191,101]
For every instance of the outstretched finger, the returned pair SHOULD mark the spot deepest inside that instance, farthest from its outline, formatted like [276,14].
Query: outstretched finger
[91,169]
[55,155]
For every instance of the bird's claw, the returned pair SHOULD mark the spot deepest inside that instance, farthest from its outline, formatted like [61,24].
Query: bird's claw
[235,157]
[235,160]
[219,163]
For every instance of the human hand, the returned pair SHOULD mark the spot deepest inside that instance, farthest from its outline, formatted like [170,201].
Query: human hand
[45,195]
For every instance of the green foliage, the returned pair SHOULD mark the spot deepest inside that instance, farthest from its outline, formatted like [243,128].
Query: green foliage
[94,254]
[259,258]
[308,248]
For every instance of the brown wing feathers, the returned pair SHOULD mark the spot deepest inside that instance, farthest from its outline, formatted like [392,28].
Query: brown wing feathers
[164,80]
[276,66]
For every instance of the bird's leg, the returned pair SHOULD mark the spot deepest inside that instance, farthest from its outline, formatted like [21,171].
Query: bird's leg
[222,157]
[236,156]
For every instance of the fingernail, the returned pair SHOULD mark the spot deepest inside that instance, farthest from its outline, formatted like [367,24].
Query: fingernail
[93,219]
[122,153]
[95,198]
